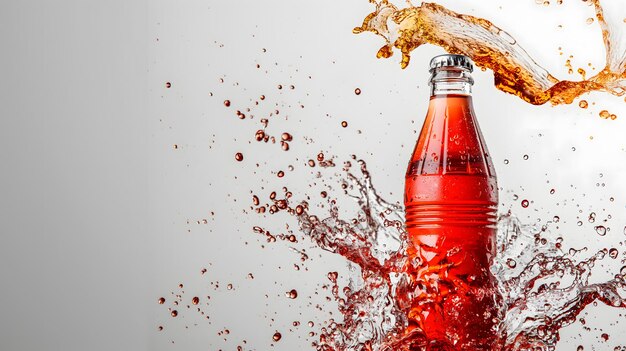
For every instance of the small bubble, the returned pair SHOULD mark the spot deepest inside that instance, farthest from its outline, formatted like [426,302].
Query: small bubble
[161,300]
[229,286]
[311,324]
[344,124]
[160,328]
[292,294]
[311,163]
[280,174]
[239,156]
[552,191]
[277,336]
[613,252]
[556,219]
[195,300]
[250,276]
[579,223]
[511,263]
[227,103]
[180,286]
[601,230]
[286,137]
[280,86]
[357,91]
[174,313]
[605,336]
[524,203]
[506,162]
[583,104]
[295,323]
[168,85]
[525,157]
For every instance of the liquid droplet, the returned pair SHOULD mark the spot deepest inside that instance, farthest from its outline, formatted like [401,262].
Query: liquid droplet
[601,230]
[583,104]
[506,162]
[168,85]
[195,300]
[605,114]
[227,103]
[344,124]
[174,313]
[161,300]
[524,203]
[239,156]
[286,137]
[613,253]
[277,336]
[357,91]
[292,294]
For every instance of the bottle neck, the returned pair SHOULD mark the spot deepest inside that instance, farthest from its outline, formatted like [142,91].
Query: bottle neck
[451,81]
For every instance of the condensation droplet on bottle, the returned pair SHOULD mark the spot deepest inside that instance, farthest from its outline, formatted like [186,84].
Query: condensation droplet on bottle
[601,230]
[524,203]
[580,348]
[320,157]
[525,157]
[277,336]
[239,156]
[286,137]
[357,91]
[344,124]
[280,174]
[613,252]
[161,300]
[292,294]
[227,103]
[579,223]
[556,219]
[174,313]
[195,300]
[229,286]
[605,336]
[506,162]
[168,85]
[160,328]
[311,163]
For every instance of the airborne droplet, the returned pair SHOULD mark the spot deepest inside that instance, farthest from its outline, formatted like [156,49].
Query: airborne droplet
[292,294]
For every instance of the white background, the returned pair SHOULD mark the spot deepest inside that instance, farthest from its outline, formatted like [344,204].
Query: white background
[99,210]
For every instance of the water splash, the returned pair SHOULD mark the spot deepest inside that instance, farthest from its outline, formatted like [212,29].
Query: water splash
[492,48]
[543,289]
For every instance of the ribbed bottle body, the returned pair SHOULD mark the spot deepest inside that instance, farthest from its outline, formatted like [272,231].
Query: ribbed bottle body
[451,201]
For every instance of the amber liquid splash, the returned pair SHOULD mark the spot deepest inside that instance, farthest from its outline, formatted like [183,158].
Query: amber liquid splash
[492,48]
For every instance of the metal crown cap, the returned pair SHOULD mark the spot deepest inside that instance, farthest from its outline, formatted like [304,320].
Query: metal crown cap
[448,60]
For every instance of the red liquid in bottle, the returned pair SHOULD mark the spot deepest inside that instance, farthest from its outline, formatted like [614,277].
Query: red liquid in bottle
[450,199]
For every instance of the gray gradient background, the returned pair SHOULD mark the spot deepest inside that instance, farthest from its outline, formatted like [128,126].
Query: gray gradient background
[95,201]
